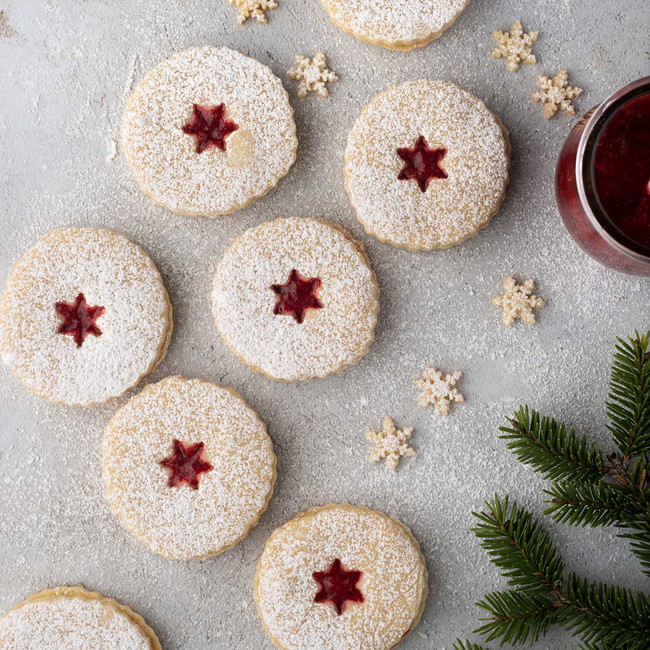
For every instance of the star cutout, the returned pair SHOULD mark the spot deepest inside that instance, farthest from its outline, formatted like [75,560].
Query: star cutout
[518,301]
[297,296]
[312,74]
[337,585]
[438,389]
[79,319]
[422,163]
[186,464]
[556,94]
[515,46]
[390,443]
[210,126]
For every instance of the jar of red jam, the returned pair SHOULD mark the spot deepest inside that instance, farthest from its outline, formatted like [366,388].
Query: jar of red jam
[602,181]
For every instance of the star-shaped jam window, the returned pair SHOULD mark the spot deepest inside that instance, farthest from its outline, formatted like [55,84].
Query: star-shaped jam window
[210,126]
[422,163]
[79,319]
[337,586]
[297,296]
[186,464]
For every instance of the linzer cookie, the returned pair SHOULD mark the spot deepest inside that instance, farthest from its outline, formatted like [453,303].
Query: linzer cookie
[340,577]
[208,131]
[188,467]
[84,316]
[426,165]
[71,618]
[296,299]
[395,24]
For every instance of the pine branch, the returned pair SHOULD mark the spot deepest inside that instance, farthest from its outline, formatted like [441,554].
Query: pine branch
[517,616]
[467,645]
[550,449]
[518,545]
[605,615]
[591,504]
[640,546]
[628,407]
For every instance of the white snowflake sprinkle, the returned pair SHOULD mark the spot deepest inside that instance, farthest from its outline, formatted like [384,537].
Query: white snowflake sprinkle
[518,301]
[438,389]
[515,46]
[312,74]
[556,94]
[390,443]
[253,9]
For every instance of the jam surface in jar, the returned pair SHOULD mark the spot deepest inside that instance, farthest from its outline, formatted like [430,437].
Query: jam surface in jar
[622,169]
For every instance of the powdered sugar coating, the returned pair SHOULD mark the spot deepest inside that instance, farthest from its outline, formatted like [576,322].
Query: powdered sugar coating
[476,162]
[164,160]
[395,24]
[329,339]
[393,584]
[180,522]
[71,618]
[111,272]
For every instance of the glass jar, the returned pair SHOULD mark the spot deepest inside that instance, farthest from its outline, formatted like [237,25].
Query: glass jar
[602,180]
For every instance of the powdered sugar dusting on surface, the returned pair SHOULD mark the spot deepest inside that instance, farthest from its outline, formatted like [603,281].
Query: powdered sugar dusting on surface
[393,581]
[330,338]
[395,23]
[111,272]
[164,159]
[180,522]
[476,163]
[50,622]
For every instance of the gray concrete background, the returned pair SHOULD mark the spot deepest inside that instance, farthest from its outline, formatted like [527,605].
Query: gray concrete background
[64,77]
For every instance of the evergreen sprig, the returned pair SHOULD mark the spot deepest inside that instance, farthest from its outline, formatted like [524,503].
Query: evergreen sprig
[605,616]
[518,546]
[628,406]
[552,449]
[589,488]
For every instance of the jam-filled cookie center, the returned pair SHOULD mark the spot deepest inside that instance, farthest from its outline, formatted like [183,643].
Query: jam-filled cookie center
[422,163]
[337,586]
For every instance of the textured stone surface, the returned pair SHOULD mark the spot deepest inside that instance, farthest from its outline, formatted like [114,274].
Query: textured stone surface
[65,76]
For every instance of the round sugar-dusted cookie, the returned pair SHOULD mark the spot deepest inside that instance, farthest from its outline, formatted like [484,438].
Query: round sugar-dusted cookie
[208,131]
[84,316]
[395,24]
[72,618]
[188,467]
[296,299]
[426,165]
[340,577]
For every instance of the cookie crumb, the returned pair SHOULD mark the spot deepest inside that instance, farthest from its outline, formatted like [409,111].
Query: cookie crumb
[515,46]
[390,443]
[312,75]
[253,9]
[6,29]
[438,390]
[518,301]
[556,94]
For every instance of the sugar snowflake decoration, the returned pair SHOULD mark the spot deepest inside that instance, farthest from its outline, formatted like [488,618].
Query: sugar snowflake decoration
[556,94]
[518,301]
[253,9]
[390,443]
[515,46]
[438,389]
[312,74]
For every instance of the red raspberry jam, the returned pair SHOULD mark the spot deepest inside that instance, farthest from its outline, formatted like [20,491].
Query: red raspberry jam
[210,126]
[622,169]
[297,296]
[186,464]
[337,586]
[79,319]
[422,163]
